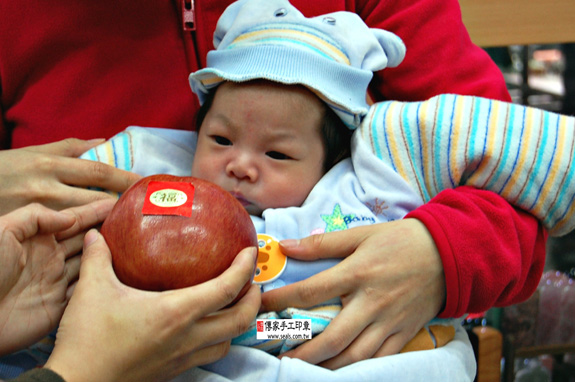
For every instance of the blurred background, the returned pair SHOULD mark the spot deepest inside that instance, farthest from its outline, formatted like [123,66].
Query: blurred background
[533,43]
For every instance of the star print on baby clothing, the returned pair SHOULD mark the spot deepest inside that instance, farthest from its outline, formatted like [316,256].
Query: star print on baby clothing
[337,221]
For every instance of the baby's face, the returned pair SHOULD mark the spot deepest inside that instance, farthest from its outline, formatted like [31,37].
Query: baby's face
[262,143]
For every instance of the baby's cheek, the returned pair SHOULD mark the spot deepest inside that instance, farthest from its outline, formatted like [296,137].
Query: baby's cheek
[291,194]
[200,170]
[210,176]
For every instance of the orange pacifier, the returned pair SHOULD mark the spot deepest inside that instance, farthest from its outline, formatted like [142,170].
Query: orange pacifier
[271,261]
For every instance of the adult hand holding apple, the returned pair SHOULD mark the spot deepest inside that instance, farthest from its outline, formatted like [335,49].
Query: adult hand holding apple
[168,232]
[53,176]
[114,333]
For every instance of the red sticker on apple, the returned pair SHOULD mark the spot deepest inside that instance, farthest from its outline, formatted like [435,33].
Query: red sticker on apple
[169,198]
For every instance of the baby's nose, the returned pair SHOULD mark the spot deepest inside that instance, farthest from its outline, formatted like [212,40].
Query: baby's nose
[243,167]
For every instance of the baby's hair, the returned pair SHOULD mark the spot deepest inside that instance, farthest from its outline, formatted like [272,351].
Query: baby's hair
[337,138]
[336,135]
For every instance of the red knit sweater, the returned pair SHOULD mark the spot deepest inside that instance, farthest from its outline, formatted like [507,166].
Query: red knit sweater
[88,69]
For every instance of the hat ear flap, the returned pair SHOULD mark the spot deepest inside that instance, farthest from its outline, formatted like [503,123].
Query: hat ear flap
[393,51]
[226,21]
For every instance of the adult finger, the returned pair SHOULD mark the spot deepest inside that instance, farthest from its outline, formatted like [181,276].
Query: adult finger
[327,245]
[215,294]
[25,222]
[374,341]
[66,196]
[393,344]
[72,269]
[70,147]
[333,282]
[230,322]
[61,159]
[86,216]
[368,345]
[338,335]
[70,290]
[96,257]
[72,246]
[87,173]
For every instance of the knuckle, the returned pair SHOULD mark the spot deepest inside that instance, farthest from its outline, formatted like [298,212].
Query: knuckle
[79,220]
[227,291]
[356,355]
[358,276]
[70,144]
[40,192]
[242,321]
[316,241]
[43,163]
[336,344]
[220,351]
[36,207]
[99,171]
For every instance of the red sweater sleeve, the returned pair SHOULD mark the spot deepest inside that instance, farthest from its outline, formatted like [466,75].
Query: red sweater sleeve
[493,254]
[440,58]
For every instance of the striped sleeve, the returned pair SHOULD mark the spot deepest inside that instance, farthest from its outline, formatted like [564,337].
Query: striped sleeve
[116,152]
[522,153]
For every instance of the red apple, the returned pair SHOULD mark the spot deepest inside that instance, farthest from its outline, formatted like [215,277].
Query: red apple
[169,232]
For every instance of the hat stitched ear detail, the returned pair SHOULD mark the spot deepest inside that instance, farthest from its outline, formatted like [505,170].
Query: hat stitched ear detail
[392,45]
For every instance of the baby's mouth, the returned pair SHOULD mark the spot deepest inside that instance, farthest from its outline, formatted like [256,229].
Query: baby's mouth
[240,198]
[252,208]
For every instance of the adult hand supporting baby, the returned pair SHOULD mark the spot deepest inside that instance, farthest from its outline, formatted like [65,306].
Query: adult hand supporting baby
[39,266]
[111,332]
[390,283]
[53,175]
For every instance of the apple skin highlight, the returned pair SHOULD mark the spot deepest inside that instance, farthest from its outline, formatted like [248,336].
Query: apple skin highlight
[160,246]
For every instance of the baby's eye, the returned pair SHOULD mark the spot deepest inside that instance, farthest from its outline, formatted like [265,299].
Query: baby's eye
[277,155]
[222,140]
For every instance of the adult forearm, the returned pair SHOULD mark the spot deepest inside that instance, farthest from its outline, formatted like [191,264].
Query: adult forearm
[492,253]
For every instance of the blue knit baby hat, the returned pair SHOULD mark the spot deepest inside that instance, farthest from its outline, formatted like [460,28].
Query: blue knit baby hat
[334,55]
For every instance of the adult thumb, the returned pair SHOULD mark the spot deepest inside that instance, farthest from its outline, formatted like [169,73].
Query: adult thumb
[96,256]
